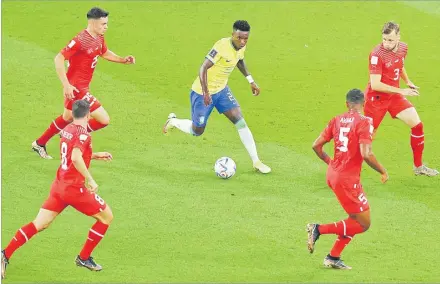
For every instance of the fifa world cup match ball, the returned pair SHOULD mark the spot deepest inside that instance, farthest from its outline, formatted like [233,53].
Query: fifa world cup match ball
[225,167]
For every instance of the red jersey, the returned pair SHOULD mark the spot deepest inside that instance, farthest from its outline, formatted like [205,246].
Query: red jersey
[73,136]
[348,130]
[387,63]
[83,52]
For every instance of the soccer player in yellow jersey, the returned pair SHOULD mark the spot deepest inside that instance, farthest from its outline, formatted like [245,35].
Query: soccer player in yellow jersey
[210,90]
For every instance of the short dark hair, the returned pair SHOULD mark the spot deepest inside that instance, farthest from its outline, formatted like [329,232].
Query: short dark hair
[97,13]
[355,96]
[242,26]
[80,109]
[389,27]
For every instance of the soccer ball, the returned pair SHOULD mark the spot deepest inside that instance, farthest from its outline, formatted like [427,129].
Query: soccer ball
[225,167]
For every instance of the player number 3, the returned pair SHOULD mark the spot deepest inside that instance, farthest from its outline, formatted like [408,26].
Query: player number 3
[397,73]
[95,61]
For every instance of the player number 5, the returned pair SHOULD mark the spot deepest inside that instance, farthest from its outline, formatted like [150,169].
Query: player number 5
[344,139]
[362,198]
[64,156]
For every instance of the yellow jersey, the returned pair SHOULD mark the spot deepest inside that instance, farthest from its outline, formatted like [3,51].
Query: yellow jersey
[224,57]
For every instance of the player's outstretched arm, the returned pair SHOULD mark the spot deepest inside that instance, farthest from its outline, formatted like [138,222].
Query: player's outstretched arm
[318,148]
[243,69]
[370,159]
[203,75]
[80,166]
[61,71]
[105,156]
[406,79]
[378,86]
[111,56]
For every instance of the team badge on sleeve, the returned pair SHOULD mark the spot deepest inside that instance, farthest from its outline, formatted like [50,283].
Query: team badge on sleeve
[212,53]
[374,60]
[71,44]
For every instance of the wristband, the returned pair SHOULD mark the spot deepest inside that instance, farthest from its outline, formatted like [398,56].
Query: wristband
[250,79]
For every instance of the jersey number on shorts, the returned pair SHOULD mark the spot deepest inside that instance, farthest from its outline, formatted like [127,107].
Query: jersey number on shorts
[362,198]
[64,156]
[99,199]
[89,98]
[343,138]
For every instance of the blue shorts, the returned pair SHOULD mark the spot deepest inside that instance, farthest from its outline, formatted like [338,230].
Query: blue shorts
[222,101]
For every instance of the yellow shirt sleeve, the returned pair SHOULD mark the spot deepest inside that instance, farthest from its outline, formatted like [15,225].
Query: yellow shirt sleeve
[215,54]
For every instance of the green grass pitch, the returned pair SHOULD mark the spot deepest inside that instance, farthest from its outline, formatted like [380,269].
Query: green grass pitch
[175,221]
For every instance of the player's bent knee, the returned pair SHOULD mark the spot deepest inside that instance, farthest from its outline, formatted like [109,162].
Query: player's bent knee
[105,120]
[67,116]
[366,226]
[105,217]
[197,131]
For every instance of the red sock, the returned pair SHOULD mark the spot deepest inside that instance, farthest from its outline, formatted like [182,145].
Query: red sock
[56,126]
[95,125]
[347,227]
[96,233]
[340,243]
[23,235]
[417,143]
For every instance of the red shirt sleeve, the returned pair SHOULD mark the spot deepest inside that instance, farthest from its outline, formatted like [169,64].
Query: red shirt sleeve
[375,64]
[104,47]
[327,133]
[365,131]
[70,49]
[81,141]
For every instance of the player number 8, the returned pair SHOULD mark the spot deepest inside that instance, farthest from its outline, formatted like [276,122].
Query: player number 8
[64,156]
[99,199]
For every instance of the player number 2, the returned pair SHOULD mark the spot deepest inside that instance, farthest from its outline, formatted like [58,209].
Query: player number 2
[343,138]
[397,73]
[95,61]
[64,156]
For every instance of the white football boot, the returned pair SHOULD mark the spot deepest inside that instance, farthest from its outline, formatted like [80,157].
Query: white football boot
[168,125]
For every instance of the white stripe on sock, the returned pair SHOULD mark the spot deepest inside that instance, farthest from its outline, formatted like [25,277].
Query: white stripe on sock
[96,233]
[345,227]
[417,136]
[88,125]
[21,231]
[56,125]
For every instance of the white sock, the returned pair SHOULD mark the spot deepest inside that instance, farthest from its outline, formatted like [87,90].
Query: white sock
[184,125]
[248,142]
